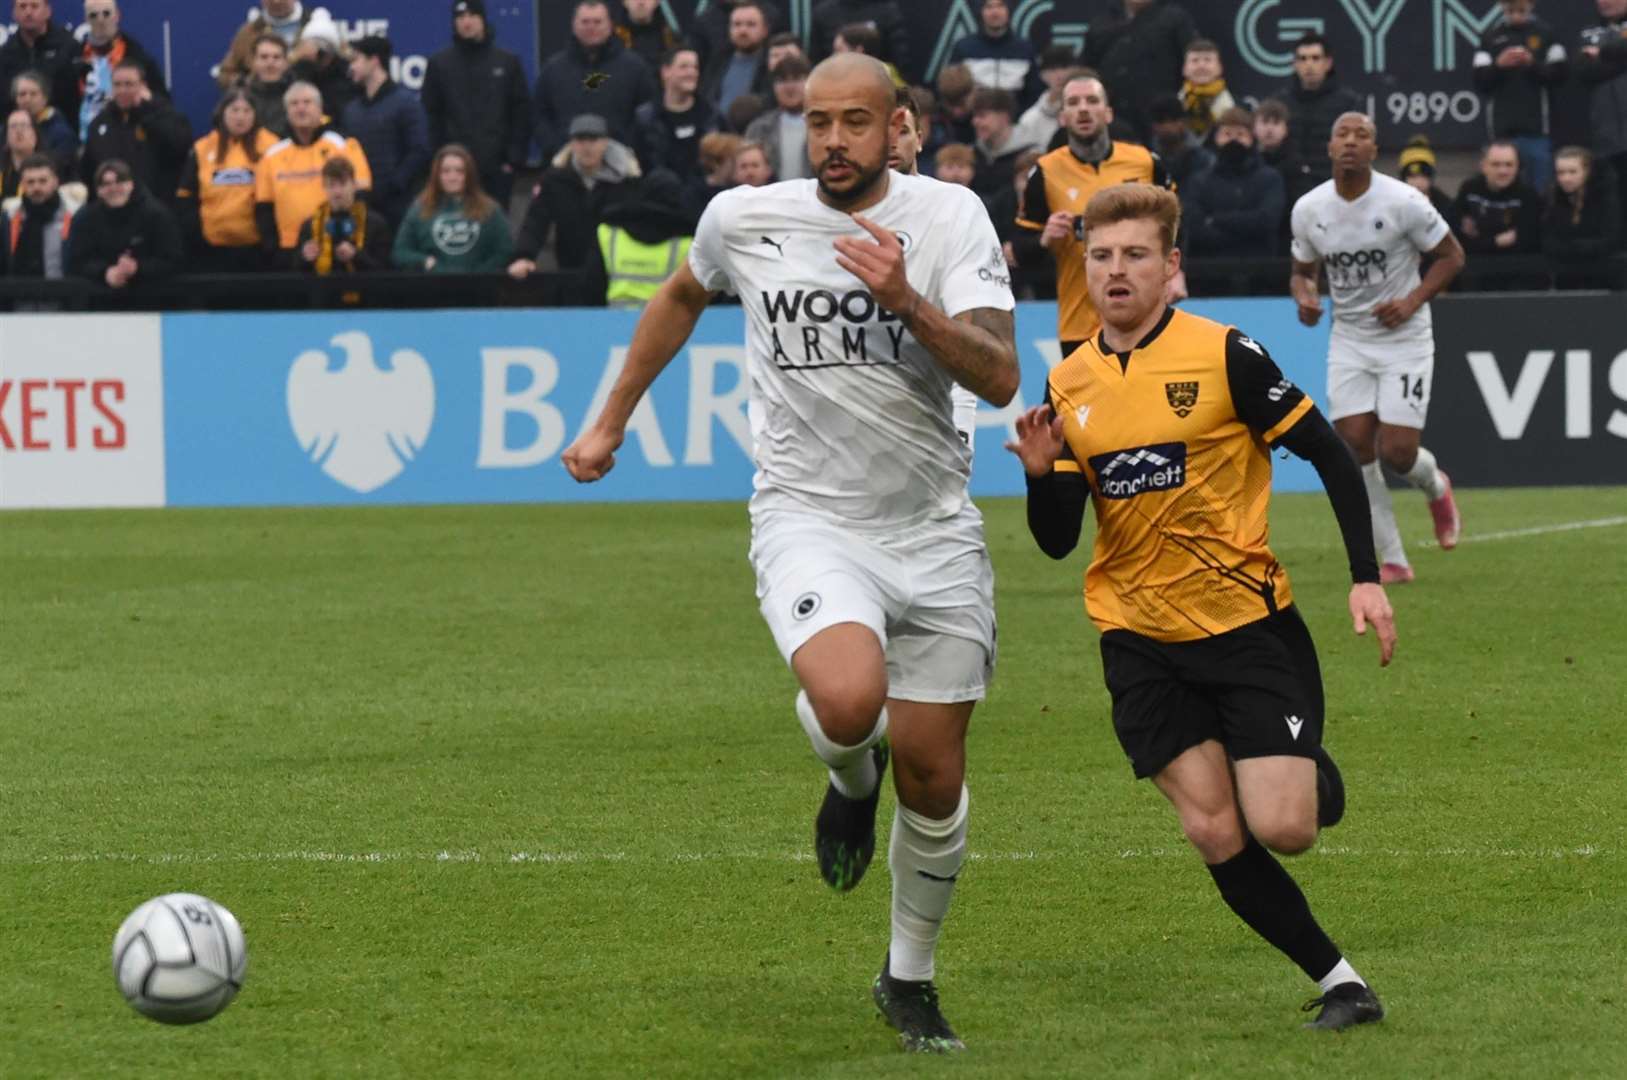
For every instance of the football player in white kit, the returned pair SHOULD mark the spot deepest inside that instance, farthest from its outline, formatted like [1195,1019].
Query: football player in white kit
[868,294]
[1368,230]
[905,157]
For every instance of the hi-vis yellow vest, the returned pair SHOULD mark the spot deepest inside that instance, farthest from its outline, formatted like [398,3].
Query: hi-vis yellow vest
[636,270]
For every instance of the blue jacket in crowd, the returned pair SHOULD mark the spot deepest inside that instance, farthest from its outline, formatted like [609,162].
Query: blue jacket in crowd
[394,133]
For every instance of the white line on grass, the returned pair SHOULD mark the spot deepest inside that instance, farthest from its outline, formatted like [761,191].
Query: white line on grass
[1536,530]
[1583,851]
[1481,538]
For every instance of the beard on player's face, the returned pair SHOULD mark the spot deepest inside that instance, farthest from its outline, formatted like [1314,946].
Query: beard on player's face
[855,185]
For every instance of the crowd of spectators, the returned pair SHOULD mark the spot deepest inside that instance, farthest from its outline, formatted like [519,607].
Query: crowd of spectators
[316,160]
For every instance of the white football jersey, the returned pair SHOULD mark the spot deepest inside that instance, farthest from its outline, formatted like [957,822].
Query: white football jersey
[964,404]
[1370,248]
[850,416]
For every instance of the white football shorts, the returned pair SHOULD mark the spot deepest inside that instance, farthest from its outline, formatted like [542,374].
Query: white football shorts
[927,592]
[1394,381]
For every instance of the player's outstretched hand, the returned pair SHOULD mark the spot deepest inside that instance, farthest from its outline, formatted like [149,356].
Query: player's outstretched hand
[1369,605]
[1039,440]
[592,455]
[880,265]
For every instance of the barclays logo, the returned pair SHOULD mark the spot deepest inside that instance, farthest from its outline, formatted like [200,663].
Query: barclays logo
[361,421]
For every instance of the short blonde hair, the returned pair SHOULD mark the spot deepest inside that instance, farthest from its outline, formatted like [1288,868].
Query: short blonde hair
[718,147]
[1135,202]
[955,154]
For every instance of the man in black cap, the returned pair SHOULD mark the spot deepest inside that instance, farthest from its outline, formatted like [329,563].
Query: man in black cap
[474,93]
[573,197]
[389,123]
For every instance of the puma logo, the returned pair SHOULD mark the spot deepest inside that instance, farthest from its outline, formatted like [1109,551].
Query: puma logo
[779,247]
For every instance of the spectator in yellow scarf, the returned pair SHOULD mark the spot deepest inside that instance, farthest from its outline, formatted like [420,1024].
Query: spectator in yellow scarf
[344,236]
[1204,92]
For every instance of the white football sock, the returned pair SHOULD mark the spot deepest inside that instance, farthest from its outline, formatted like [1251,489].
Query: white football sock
[852,769]
[1425,476]
[1342,973]
[924,856]
[1386,533]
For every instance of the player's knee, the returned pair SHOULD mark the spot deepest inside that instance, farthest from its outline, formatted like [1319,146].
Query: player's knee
[1399,459]
[1288,836]
[1399,454]
[1217,837]
[848,714]
[930,786]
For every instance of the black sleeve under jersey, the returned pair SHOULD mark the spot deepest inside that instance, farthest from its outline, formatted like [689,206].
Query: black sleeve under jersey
[1036,203]
[1264,400]
[1056,504]
[1261,395]
[1313,439]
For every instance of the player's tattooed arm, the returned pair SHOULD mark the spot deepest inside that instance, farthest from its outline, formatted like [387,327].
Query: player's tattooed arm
[977,347]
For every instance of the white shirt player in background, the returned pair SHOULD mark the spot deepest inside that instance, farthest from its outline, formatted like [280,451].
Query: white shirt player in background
[868,295]
[905,157]
[1367,230]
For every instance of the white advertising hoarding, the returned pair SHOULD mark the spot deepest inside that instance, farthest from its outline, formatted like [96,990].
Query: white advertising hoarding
[81,411]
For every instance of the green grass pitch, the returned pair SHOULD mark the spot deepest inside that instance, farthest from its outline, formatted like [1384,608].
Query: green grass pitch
[519,792]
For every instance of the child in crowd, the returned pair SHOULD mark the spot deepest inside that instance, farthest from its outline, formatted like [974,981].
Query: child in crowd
[955,164]
[1204,92]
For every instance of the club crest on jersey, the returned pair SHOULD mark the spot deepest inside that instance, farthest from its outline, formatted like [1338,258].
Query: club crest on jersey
[1124,474]
[1182,397]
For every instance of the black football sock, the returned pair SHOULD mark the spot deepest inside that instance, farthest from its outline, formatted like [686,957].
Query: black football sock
[1255,885]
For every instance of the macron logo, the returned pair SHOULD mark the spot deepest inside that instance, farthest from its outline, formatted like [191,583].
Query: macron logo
[1294,724]
[362,422]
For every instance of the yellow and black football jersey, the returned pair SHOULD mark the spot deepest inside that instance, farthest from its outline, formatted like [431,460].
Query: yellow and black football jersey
[1060,181]
[1174,439]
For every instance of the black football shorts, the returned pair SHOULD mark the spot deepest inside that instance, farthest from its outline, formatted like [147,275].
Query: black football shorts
[1257,690]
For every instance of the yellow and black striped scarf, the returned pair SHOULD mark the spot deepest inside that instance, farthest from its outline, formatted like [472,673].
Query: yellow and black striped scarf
[319,233]
[1199,99]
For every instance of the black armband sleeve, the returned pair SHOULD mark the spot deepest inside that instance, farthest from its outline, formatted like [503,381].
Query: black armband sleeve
[1056,511]
[1313,439]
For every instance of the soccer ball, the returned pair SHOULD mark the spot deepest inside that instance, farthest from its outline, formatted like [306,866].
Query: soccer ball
[179,958]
